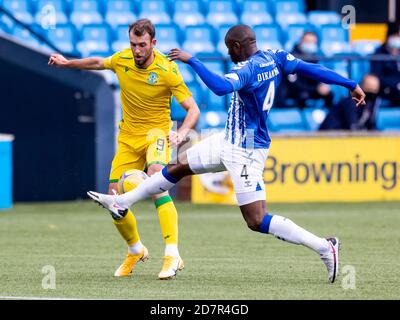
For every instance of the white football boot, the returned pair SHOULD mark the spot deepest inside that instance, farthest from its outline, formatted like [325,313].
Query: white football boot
[109,202]
[331,259]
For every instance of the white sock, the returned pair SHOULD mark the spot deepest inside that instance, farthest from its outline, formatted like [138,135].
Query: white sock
[155,184]
[285,229]
[136,248]
[171,250]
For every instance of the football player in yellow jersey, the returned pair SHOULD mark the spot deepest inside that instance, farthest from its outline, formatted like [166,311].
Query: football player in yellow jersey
[147,80]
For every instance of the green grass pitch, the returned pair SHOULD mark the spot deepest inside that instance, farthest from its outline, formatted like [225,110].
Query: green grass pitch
[224,259]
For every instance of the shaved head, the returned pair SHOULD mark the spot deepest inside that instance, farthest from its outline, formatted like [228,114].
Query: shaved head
[241,42]
[240,33]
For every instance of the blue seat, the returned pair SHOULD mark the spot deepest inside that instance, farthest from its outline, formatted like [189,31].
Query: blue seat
[63,37]
[119,12]
[221,32]
[188,13]
[186,72]
[177,112]
[199,39]
[365,47]
[212,120]
[288,119]
[319,18]
[155,10]
[212,101]
[330,48]
[94,38]
[20,9]
[268,37]
[255,12]
[121,38]
[314,117]
[50,12]
[167,37]
[286,19]
[85,12]
[294,33]
[388,118]
[288,6]
[221,12]
[333,33]
[26,37]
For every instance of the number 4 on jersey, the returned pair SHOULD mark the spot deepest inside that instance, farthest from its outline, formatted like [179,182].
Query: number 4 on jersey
[269,98]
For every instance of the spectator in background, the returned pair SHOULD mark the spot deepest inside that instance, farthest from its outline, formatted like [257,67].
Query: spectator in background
[300,89]
[346,116]
[389,71]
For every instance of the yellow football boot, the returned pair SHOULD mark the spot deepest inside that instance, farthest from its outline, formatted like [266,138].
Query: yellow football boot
[130,262]
[171,266]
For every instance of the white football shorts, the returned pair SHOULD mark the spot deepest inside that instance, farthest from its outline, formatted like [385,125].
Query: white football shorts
[245,166]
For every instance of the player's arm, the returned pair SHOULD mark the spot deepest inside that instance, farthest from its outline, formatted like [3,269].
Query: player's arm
[216,83]
[323,74]
[93,63]
[192,115]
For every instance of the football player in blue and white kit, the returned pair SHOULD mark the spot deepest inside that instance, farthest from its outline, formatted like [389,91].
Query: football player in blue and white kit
[243,148]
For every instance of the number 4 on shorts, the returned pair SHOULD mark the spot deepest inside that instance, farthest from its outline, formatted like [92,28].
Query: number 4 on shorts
[244,172]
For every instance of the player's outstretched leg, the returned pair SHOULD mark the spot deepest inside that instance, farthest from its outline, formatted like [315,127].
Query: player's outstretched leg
[258,219]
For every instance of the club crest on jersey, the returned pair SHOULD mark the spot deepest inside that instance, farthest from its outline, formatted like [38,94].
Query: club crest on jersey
[152,78]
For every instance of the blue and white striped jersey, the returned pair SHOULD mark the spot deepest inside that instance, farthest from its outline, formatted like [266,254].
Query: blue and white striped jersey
[255,82]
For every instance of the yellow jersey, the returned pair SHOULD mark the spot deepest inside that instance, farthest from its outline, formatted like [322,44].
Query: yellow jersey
[146,93]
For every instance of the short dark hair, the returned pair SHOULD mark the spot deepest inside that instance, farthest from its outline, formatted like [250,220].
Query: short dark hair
[142,26]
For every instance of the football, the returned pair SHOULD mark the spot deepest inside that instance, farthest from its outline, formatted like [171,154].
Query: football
[130,180]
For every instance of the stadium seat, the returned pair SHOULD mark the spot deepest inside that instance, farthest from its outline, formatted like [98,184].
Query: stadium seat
[314,117]
[167,36]
[319,18]
[255,12]
[221,12]
[155,10]
[365,47]
[268,37]
[388,118]
[20,9]
[289,119]
[94,38]
[85,12]
[186,72]
[294,33]
[330,48]
[288,6]
[63,37]
[333,33]
[212,120]
[199,39]
[221,47]
[177,112]
[121,38]
[119,12]
[50,12]
[286,19]
[212,101]
[188,13]
[26,37]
